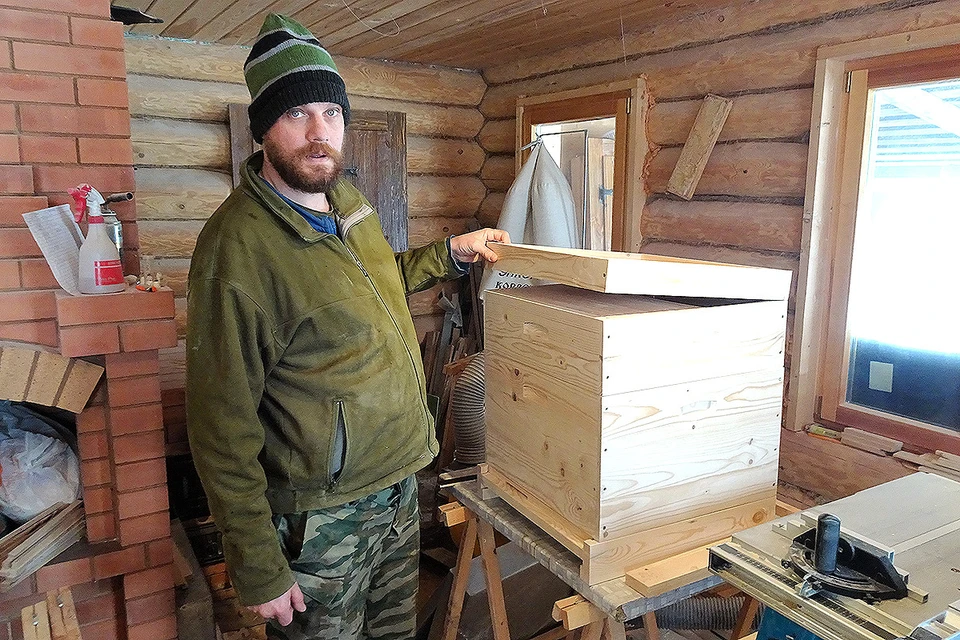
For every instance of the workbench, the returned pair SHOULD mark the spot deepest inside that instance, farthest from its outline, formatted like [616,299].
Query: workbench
[613,597]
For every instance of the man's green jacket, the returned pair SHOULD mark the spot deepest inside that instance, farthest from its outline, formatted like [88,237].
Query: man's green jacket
[291,331]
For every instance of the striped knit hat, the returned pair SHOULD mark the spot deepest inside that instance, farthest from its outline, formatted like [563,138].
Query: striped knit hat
[287,68]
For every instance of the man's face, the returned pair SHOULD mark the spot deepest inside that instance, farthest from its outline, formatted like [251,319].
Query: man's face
[304,145]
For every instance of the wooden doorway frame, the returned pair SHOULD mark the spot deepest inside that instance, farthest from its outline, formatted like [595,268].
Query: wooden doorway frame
[626,100]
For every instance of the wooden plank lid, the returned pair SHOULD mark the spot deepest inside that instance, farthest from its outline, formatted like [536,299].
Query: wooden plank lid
[643,274]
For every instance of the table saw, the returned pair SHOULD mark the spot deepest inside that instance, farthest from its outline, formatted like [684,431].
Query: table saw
[882,564]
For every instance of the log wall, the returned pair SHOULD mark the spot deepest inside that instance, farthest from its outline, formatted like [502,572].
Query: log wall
[748,205]
[179,92]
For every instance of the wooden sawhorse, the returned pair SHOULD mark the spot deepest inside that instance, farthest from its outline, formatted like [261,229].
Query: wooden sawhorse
[599,610]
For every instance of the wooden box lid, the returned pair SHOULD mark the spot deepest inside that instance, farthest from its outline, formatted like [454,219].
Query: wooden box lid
[643,274]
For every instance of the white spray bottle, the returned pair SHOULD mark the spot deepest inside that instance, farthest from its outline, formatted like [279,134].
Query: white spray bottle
[100,268]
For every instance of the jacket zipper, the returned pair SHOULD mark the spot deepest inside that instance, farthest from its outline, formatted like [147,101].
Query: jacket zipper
[339,418]
[348,224]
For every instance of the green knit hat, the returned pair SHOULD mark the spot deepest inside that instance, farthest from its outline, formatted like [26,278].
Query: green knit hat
[287,68]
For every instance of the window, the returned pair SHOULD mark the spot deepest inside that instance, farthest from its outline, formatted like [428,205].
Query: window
[598,139]
[878,347]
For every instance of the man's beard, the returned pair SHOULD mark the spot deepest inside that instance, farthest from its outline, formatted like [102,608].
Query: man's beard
[292,166]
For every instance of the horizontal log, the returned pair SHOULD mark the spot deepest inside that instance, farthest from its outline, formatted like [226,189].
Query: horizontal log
[732,19]
[183,99]
[206,101]
[750,225]
[173,366]
[168,143]
[180,316]
[444,156]
[181,59]
[174,274]
[761,61]
[752,169]
[364,77]
[179,194]
[489,212]
[498,172]
[499,136]
[421,231]
[428,119]
[167,238]
[458,196]
[832,470]
[727,255]
[781,114]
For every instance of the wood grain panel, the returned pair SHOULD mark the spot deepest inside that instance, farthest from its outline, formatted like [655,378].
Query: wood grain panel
[546,439]
[641,274]
[687,450]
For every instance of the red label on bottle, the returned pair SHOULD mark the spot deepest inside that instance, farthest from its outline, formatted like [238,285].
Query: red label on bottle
[107,272]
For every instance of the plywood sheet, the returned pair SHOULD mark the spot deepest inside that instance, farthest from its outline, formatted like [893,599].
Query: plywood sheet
[643,274]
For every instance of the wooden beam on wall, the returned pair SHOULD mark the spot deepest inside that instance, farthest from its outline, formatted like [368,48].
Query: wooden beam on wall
[696,151]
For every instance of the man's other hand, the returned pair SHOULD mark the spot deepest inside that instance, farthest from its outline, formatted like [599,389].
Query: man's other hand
[472,246]
[281,608]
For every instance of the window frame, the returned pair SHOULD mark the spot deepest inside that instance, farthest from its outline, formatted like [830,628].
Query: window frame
[844,74]
[628,102]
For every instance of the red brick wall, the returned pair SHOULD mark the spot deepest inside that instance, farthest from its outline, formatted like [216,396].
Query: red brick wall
[64,120]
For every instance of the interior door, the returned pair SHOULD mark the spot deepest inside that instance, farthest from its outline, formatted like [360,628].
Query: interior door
[374,159]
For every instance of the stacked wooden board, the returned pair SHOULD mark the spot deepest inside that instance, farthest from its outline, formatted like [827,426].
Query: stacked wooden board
[38,541]
[637,426]
[43,377]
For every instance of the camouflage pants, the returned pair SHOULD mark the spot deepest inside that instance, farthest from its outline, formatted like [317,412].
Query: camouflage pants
[357,565]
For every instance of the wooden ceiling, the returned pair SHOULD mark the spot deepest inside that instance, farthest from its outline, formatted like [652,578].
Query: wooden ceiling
[469,34]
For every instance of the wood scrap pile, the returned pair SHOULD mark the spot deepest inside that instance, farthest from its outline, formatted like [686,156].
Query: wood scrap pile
[36,542]
[871,442]
[941,463]
[447,351]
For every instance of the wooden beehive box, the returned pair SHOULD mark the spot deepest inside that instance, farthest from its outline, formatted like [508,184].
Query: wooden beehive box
[634,426]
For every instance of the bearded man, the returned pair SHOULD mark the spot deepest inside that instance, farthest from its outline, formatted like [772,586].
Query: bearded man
[306,403]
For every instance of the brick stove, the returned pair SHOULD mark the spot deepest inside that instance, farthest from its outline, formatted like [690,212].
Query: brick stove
[64,119]
[122,575]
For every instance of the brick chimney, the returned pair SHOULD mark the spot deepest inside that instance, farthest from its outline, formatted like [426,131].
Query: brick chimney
[64,120]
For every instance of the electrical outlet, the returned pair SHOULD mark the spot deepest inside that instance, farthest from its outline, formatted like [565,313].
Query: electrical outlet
[881,376]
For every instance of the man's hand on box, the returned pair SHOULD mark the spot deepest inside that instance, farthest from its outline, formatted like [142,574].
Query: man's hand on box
[472,246]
